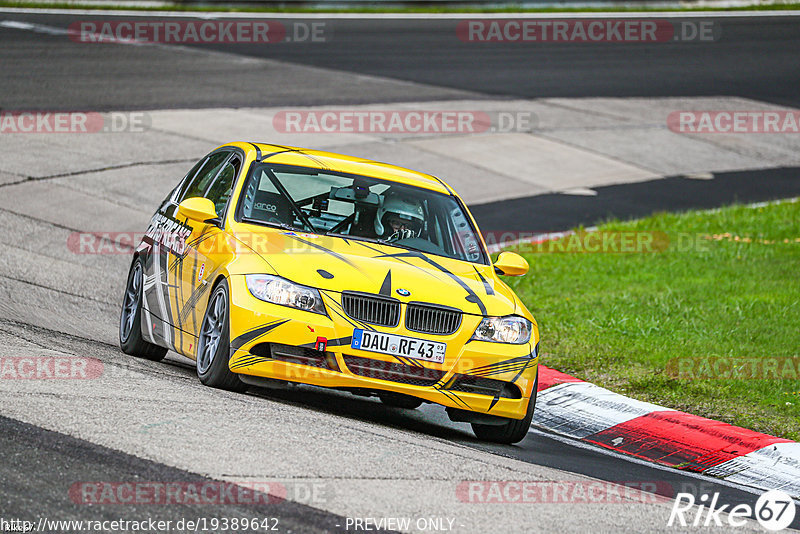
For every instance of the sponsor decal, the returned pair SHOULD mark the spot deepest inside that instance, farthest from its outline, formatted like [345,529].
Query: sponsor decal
[272,208]
[301,235]
[168,233]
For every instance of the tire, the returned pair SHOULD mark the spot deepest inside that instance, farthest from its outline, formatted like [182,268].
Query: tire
[397,400]
[512,431]
[213,343]
[130,318]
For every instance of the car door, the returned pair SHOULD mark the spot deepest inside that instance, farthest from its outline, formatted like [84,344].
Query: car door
[205,252]
[164,243]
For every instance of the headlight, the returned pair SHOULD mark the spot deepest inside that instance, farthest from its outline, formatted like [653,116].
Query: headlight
[511,329]
[281,291]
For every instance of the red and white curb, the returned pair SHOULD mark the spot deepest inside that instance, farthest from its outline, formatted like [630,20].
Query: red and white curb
[583,411]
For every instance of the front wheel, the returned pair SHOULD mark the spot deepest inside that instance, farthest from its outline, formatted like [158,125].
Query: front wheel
[130,319]
[213,344]
[513,431]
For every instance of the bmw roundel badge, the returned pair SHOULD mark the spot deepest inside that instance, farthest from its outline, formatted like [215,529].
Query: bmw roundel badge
[403,292]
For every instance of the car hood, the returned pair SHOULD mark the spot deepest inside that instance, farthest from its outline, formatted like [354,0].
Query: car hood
[339,264]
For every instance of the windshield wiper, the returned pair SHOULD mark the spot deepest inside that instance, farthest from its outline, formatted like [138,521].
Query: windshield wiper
[358,238]
[377,240]
[272,224]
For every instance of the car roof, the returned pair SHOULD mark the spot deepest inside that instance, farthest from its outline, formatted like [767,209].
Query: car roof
[318,159]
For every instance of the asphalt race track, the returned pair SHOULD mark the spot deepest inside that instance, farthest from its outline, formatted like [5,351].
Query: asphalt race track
[753,58]
[330,456]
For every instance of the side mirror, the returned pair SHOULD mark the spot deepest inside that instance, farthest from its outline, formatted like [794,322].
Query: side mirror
[511,264]
[199,209]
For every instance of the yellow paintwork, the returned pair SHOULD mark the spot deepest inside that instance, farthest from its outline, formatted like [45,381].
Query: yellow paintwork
[512,264]
[197,208]
[242,248]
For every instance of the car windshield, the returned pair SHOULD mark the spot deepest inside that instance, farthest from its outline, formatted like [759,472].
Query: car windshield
[360,207]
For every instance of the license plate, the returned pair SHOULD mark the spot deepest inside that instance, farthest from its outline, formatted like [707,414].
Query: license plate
[409,347]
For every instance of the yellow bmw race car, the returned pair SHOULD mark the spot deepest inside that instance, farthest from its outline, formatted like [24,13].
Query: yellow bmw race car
[271,262]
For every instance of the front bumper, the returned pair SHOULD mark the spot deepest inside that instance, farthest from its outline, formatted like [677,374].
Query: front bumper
[272,341]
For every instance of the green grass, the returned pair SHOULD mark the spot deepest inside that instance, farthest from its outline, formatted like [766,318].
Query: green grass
[372,8]
[617,319]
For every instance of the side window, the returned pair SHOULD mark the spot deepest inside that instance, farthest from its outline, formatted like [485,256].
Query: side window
[199,185]
[187,180]
[220,190]
[464,239]
[176,191]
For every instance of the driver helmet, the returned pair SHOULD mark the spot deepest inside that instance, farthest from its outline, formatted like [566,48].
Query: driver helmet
[400,217]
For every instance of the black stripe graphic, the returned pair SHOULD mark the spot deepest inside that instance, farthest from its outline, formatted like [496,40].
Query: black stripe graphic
[471,295]
[486,285]
[245,338]
[326,251]
[386,287]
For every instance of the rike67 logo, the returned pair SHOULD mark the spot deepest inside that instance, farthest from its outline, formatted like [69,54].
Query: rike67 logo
[774,510]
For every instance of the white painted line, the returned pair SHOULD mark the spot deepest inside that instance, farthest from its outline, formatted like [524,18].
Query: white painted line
[755,205]
[579,191]
[699,176]
[27,26]
[405,16]
[52,30]
[580,409]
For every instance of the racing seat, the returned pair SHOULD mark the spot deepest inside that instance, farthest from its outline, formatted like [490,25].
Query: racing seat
[365,226]
[271,207]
